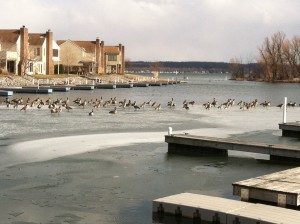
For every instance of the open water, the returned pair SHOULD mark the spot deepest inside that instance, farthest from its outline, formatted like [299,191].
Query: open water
[107,168]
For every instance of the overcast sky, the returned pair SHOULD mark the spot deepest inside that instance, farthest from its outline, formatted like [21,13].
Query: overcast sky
[161,30]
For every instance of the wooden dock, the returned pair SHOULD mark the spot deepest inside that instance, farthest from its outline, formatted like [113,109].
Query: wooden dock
[291,129]
[280,188]
[208,209]
[201,145]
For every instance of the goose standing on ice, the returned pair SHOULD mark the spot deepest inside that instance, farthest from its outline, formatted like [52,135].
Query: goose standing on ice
[91,113]
[114,111]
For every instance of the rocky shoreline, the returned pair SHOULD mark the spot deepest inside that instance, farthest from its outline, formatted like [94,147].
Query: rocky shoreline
[21,81]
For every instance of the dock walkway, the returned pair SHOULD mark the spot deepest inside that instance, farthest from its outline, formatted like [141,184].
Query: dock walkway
[202,145]
[290,129]
[208,209]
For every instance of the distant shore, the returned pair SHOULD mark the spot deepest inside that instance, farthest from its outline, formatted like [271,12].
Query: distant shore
[20,81]
[295,80]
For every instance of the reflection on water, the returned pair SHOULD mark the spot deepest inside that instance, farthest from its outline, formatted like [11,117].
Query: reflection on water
[116,183]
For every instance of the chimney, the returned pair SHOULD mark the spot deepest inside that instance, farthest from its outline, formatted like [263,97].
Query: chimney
[49,53]
[23,50]
[98,56]
[102,58]
[122,58]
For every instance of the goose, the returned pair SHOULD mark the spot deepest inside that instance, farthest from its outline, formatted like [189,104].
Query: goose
[39,106]
[192,103]
[143,105]
[185,106]
[68,108]
[136,107]
[56,110]
[114,111]
[91,113]
[171,103]
[65,102]
[83,104]
[214,102]
[158,107]
[25,107]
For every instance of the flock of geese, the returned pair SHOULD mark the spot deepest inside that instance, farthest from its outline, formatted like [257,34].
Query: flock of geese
[56,106]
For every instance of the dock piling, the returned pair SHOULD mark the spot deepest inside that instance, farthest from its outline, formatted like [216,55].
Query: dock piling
[170,131]
[284,110]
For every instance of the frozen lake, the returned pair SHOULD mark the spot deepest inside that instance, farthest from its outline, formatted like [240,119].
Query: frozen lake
[107,168]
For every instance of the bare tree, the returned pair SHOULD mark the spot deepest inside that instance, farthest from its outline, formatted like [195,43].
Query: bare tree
[271,57]
[236,68]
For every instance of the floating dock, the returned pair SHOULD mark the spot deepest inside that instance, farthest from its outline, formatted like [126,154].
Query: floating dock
[200,145]
[291,129]
[57,88]
[155,83]
[124,85]
[82,87]
[6,93]
[105,86]
[208,209]
[140,84]
[280,188]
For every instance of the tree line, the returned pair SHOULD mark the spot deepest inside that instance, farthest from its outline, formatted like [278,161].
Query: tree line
[278,59]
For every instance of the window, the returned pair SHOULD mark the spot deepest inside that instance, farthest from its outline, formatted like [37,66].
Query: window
[30,67]
[112,57]
[55,52]
[37,51]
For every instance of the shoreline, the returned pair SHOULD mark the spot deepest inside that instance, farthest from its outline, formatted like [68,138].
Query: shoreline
[35,80]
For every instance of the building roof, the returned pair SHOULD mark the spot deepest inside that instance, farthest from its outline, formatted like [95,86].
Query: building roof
[9,36]
[89,46]
[36,39]
[111,49]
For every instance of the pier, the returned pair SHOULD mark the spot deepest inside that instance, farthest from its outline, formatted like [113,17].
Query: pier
[201,145]
[208,209]
[291,129]
[280,188]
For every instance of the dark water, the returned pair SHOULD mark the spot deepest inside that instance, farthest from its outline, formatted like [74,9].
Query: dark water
[117,184]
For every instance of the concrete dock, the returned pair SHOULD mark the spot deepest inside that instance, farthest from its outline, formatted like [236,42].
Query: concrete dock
[280,188]
[291,129]
[201,145]
[208,209]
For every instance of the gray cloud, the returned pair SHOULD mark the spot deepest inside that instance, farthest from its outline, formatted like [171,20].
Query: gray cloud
[180,30]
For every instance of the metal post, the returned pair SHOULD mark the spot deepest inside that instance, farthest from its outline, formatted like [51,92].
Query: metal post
[284,110]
